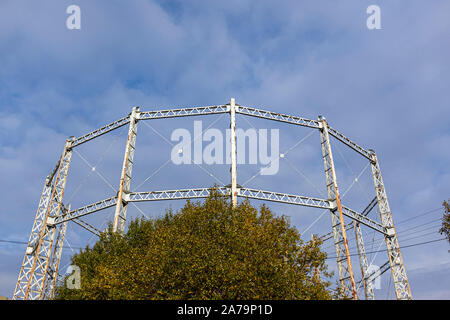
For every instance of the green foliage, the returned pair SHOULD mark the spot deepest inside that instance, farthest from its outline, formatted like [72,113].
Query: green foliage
[206,251]
[445,228]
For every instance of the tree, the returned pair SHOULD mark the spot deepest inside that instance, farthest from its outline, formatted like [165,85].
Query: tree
[445,228]
[205,251]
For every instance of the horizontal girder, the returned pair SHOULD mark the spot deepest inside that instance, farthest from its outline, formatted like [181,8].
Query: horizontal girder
[183,112]
[97,133]
[146,115]
[277,117]
[218,109]
[91,208]
[285,198]
[350,143]
[308,202]
[198,193]
[350,225]
[173,194]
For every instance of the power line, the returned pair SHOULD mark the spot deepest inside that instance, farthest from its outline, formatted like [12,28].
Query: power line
[13,241]
[420,215]
[401,232]
[421,225]
[402,247]
[365,234]
[376,240]
[410,238]
[23,242]
[420,236]
[381,241]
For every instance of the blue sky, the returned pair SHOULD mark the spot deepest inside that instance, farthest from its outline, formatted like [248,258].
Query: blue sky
[386,89]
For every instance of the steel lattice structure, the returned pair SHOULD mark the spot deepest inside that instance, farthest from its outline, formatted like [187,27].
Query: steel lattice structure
[39,271]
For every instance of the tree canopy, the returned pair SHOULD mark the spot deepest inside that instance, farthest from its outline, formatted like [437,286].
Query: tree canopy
[207,250]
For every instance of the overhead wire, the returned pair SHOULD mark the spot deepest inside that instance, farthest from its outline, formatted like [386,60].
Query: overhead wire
[401,232]
[401,247]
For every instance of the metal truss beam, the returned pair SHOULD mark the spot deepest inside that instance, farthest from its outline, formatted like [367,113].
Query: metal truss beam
[147,115]
[31,283]
[38,273]
[49,181]
[277,117]
[125,178]
[350,225]
[218,109]
[401,283]
[25,273]
[91,208]
[308,202]
[365,153]
[53,269]
[184,112]
[344,263]
[140,197]
[368,287]
[285,198]
[233,168]
[101,131]
[198,193]
[363,219]
[173,194]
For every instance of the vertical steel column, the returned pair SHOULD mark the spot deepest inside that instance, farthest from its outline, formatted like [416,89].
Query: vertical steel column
[31,283]
[125,178]
[401,284]
[344,262]
[56,258]
[39,221]
[368,286]
[233,152]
